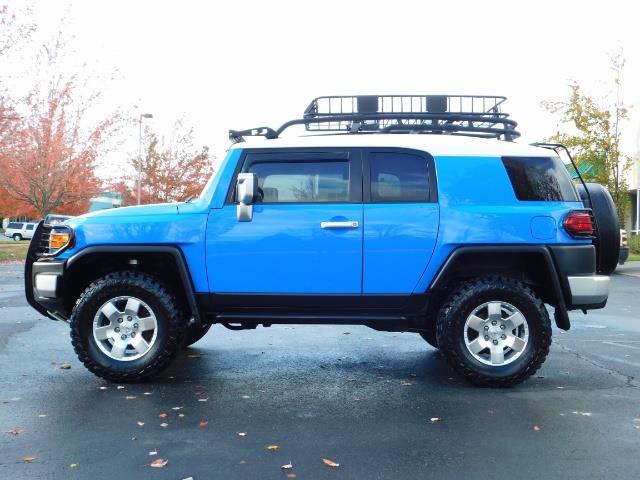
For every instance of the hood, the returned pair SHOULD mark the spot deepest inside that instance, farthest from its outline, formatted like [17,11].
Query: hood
[134,211]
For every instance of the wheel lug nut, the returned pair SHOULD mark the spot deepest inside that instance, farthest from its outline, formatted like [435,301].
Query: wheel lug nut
[119,320]
[133,334]
[502,327]
[129,318]
[135,325]
[494,323]
[503,336]
[117,329]
[123,337]
[486,337]
[495,342]
[486,327]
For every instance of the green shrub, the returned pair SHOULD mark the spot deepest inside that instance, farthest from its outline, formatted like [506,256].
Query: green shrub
[634,243]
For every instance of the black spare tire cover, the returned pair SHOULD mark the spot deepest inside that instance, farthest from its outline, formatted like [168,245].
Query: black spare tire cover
[607,239]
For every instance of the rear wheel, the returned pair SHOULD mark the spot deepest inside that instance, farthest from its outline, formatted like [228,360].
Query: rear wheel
[17,237]
[494,331]
[127,326]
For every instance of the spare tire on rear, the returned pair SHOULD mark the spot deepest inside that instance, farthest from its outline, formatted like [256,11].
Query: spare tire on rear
[607,237]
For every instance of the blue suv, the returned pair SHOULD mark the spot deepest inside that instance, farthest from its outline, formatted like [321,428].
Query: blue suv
[401,213]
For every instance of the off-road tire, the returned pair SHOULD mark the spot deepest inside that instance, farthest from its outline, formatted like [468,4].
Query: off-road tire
[17,237]
[170,317]
[193,334]
[469,295]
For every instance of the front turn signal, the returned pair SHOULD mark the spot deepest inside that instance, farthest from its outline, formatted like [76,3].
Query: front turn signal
[59,239]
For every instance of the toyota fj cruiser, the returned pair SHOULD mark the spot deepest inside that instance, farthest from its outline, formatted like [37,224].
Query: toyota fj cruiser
[401,213]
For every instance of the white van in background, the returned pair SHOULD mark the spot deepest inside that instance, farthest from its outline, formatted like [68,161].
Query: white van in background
[20,230]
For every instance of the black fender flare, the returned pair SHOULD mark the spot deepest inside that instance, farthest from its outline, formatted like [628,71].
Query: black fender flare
[561,315]
[172,250]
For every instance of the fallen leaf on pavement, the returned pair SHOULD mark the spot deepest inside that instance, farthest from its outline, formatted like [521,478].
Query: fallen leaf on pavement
[246,396]
[159,463]
[177,408]
[15,431]
[288,466]
[291,475]
[134,438]
[584,414]
[188,478]
[163,415]
[195,355]
[129,397]
[120,387]
[148,393]
[272,448]
[52,362]
[406,384]
[203,424]
[73,465]
[203,399]
[140,424]
[181,415]
[536,428]
[330,463]
[242,462]
[42,415]
[28,459]
[435,419]
[65,366]
[164,425]
[102,388]
[242,434]
[153,452]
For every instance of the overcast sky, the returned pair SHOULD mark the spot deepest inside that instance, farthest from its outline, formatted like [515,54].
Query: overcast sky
[243,64]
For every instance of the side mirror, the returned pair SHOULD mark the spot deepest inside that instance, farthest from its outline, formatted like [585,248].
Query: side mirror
[247,194]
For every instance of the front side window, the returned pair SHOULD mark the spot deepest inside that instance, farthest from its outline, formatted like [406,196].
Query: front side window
[303,182]
[398,177]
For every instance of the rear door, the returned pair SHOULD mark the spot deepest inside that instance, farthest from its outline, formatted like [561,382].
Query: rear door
[401,217]
[305,236]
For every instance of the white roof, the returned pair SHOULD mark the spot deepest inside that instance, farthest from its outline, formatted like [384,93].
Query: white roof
[436,145]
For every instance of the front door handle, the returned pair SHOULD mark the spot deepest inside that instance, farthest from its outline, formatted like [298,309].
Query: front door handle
[347,224]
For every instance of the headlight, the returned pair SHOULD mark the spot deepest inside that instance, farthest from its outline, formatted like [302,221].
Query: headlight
[59,239]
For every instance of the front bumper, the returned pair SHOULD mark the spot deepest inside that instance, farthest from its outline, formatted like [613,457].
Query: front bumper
[46,284]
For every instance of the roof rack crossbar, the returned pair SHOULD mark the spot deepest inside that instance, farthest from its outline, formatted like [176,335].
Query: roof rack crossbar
[470,115]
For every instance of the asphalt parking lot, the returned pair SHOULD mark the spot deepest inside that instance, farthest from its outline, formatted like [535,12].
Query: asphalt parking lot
[381,405]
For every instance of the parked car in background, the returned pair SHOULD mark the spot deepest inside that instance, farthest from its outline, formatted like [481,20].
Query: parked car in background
[20,230]
[624,247]
[55,219]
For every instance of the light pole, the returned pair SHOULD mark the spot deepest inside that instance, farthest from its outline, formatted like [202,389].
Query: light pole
[142,115]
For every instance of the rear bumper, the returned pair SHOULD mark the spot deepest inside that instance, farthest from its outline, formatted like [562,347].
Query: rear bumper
[589,291]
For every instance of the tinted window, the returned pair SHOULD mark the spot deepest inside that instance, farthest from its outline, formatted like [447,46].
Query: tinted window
[540,179]
[30,227]
[303,182]
[15,225]
[398,177]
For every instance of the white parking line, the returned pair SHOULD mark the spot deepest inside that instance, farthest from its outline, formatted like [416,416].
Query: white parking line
[616,344]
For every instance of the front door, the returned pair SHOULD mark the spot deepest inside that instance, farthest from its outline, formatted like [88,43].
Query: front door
[305,236]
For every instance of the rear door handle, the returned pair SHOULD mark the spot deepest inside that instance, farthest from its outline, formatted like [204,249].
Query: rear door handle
[347,224]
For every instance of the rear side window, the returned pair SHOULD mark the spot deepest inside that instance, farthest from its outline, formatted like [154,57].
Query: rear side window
[30,227]
[15,225]
[303,182]
[398,177]
[540,179]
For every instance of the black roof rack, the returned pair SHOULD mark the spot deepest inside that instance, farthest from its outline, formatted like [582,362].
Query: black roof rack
[468,115]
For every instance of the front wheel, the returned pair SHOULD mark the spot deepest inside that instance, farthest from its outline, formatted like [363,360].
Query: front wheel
[127,326]
[494,331]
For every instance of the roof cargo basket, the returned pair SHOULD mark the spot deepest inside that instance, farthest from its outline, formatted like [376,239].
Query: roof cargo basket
[468,115]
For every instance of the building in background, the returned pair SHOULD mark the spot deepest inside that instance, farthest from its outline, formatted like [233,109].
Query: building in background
[105,200]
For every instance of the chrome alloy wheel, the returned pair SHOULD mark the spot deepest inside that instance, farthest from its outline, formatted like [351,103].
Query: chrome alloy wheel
[125,328]
[496,333]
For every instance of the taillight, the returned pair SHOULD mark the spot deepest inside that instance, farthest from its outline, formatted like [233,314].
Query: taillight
[579,224]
